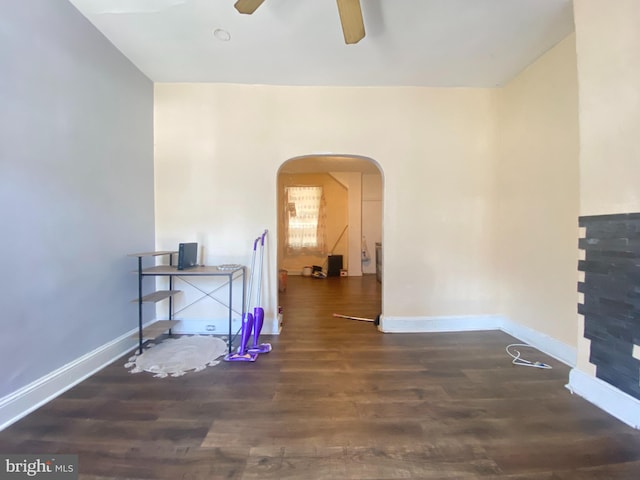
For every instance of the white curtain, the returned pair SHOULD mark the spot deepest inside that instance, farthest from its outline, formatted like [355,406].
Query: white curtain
[305,219]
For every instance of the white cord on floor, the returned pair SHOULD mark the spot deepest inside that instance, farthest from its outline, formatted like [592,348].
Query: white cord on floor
[517,360]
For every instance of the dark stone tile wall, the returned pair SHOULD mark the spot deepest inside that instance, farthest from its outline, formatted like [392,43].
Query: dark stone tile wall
[611,289]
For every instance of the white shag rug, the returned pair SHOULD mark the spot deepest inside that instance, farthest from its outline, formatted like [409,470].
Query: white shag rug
[176,356]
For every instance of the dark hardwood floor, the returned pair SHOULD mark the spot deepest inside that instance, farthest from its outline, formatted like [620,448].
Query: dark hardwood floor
[336,399]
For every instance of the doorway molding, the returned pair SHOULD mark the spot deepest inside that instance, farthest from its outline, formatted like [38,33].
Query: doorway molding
[335,164]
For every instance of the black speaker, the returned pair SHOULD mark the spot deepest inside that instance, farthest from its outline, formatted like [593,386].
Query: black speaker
[334,266]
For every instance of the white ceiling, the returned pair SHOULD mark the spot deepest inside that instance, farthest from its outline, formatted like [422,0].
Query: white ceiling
[439,43]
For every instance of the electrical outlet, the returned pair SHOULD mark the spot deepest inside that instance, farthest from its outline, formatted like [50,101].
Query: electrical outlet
[211,328]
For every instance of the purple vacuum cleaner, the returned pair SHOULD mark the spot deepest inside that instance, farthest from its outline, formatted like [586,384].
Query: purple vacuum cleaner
[258,311]
[242,354]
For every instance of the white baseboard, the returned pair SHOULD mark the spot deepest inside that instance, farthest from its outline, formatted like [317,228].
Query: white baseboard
[206,327]
[605,396]
[271,326]
[549,345]
[467,323]
[30,397]
[220,326]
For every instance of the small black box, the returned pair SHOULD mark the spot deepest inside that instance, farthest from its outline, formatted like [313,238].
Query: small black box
[334,266]
[187,255]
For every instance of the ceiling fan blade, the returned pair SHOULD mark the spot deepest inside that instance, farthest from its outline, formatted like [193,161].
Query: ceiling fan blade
[247,6]
[351,19]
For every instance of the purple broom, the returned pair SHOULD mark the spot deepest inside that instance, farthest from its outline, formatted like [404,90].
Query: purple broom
[248,322]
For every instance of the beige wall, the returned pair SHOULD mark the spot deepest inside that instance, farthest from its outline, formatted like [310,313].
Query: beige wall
[219,148]
[608,49]
[372,203]
[353,182]
[537,193]
[337,212]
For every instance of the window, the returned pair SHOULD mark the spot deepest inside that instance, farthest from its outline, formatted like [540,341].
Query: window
[304,219]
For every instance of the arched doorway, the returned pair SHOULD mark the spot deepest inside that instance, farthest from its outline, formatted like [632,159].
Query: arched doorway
[350,219]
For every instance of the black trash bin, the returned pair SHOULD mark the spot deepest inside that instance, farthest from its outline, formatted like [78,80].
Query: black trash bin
[334,265]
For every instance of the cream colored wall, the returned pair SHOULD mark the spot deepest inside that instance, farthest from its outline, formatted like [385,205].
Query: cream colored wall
[219,147]
[353,181]
[337,218]
[372,199]
[608,49]
[537,193]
